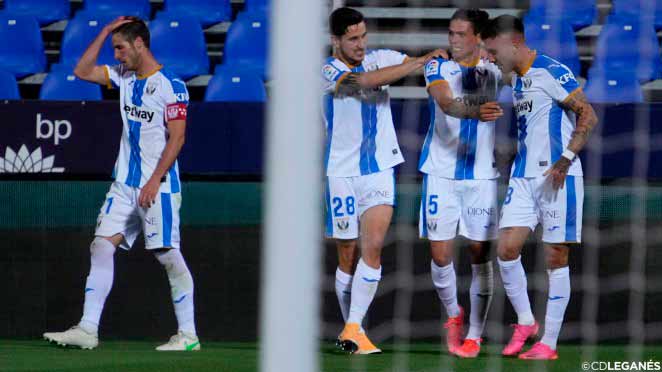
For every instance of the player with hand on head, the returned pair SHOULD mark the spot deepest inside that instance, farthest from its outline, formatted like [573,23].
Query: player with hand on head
[361,151]
[546,184]
[146,193]
[460,175]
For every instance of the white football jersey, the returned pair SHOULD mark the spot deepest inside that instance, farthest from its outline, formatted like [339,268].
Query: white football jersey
[360,138]
[461,149]
[544,127]
[146,104]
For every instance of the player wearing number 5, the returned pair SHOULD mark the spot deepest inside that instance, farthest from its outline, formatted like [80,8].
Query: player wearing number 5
[361,151]
[546,184]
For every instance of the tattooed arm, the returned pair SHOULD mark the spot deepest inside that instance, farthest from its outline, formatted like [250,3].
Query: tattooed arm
[442,94]
[352,82]
[586,121]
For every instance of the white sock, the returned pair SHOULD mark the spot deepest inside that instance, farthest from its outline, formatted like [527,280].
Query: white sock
[482,287]
[559,296]
[98,284]
[364,286]
[181,286]
[343,292]
[514,280]
[445,283]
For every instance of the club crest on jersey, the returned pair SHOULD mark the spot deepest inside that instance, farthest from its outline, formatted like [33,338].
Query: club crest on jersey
[150,89]
[526,82]
[134,113]
[432,68]
[342,223]
[330,72]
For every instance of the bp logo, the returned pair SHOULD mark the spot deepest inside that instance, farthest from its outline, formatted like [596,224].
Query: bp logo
[25,162]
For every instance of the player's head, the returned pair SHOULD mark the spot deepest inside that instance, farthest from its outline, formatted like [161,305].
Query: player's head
[131,42]
[348,34]
[504,39]
[464,31]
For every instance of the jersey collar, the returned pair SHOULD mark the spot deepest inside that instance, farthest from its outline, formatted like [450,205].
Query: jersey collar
[529,64]
[140,77]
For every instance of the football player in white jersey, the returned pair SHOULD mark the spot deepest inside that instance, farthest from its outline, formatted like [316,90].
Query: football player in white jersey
[361,151]
[460,175]
[146,193]
[546,184]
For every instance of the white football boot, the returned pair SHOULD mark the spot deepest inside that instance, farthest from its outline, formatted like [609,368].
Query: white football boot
[74,336]
[181,342]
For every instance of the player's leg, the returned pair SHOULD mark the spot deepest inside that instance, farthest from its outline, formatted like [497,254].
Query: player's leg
[348,256]
[562,223]
[374,204]
[161,230]
[478,223]
[519,218]
[342,225]
[117,225]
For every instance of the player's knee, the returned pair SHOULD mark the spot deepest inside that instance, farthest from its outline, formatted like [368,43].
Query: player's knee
[507,252]
[441,257]
[172,260]
[556,256]
[101,249]
[480,252]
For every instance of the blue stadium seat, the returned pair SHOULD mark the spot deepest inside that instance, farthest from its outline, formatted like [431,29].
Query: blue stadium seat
[579,13]
[45,11]
[179,45]
[115,8]
[80,32]
[646,10]
[246,44]
[21,46]
[257,5]
[64,86]
[8,86]
[627,43]
[207,12]
[613,86]
[235,85]
[554,37]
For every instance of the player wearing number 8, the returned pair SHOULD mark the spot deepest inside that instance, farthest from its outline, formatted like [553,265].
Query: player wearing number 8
[546,183]
[361,151]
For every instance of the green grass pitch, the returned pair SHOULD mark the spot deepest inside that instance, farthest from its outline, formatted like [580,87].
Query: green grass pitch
[139,356]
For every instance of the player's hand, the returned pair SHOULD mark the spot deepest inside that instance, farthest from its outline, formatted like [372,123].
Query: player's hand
[437,53]
[117,22]
[490,111]
[148,193]
[557,172]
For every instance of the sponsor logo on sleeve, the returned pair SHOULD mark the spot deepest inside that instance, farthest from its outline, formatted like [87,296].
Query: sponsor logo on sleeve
[176,111]
[432,68]
[330,72]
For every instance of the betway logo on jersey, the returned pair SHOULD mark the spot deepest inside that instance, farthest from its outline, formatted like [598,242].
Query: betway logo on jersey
[135,113]
[523,106]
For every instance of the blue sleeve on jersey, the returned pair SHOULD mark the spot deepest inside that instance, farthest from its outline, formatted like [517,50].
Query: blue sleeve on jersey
[563,76]
[433,70]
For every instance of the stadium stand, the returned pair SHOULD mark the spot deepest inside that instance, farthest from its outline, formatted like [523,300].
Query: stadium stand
[8,86]
[647,11]
[179,44]
[625,42]
[138,8]
[235,85]
[207,12]
[555,37]
[246,43]
[24,57]
[64,86]
[78,35]
[579,13]
[613,86]
[45,11]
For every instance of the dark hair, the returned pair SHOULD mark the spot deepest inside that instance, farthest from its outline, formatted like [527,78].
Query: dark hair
[132,30]
[502,25]
[478,18]
[342,18]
